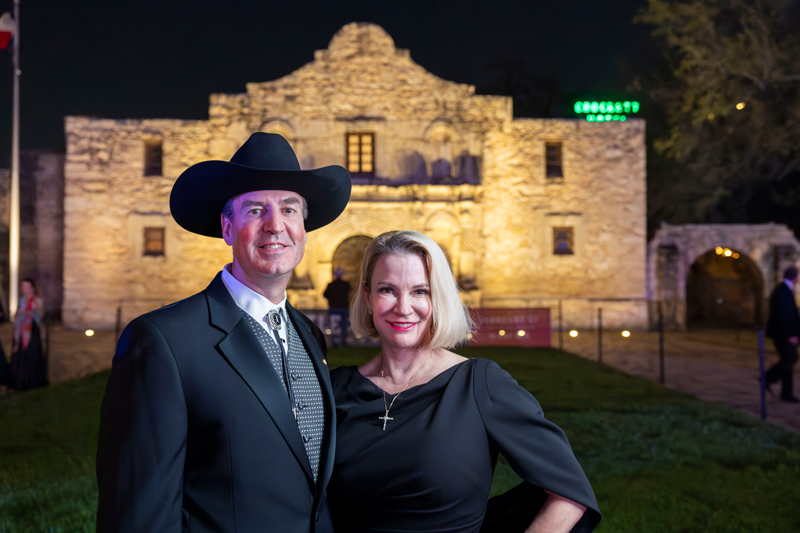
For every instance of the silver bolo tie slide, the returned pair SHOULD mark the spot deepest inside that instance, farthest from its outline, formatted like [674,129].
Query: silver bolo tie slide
[275,321]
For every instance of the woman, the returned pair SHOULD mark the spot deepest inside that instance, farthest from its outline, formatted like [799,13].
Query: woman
[420,428]
[27,359]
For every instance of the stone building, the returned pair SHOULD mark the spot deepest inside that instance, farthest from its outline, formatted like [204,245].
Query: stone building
[528,211]
[712,275]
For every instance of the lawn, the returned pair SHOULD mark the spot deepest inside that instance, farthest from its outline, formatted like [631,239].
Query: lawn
[659,461]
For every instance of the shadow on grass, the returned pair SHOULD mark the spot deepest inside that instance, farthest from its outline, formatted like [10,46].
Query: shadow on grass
[658,460]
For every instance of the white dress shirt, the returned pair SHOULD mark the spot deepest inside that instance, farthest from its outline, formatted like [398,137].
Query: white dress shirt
[254,304]
[786,281]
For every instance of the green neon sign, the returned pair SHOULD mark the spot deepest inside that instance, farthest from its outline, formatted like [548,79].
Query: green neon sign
[606,111]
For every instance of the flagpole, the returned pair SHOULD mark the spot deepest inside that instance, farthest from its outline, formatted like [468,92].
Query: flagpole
[13,229]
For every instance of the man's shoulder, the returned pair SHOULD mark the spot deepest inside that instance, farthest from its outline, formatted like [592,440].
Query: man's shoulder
[195,307]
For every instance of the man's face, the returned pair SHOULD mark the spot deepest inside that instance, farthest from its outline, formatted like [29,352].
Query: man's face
[267,235]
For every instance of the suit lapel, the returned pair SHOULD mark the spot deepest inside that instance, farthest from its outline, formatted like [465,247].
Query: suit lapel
[242,350]
[315,352]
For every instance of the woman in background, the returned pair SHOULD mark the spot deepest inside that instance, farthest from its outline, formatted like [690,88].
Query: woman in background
[27,357]
[419,428]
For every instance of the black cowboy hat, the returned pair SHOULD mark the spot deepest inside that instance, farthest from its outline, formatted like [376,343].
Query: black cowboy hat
[265,162]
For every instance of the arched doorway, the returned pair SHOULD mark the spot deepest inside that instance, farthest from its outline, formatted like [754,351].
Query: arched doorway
[348,257]
[724,289]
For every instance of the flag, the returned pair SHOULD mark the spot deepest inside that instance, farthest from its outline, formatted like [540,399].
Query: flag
[7,29]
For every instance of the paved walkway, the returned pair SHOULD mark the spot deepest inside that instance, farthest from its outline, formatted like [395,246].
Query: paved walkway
[714,365]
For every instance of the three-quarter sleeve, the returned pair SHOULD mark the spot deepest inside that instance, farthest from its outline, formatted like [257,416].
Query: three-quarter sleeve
[537,450]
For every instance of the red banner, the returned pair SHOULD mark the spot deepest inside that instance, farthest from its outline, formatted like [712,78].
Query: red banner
[511,327]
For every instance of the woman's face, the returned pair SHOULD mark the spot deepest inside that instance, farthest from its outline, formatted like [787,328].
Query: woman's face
[27,289]
[400,299]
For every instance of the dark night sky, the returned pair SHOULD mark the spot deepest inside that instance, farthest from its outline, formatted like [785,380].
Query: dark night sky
[160,58]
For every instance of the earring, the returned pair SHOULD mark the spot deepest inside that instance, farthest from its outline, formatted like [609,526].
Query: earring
[370,311]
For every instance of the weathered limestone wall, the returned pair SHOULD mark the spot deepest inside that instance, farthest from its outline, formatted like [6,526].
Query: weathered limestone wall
[602,196]
[109,202]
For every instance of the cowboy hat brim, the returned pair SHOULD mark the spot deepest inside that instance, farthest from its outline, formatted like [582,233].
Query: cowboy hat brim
[201,192]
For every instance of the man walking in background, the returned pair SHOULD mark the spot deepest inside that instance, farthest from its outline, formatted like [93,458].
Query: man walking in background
[783,328]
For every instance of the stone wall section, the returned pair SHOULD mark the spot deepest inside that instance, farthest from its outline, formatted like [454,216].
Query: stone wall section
[108,204]
[601,196]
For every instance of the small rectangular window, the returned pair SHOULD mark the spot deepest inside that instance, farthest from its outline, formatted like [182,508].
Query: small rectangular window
[153,158]
[154,241]
[563,242]
[360,153]
[553,160]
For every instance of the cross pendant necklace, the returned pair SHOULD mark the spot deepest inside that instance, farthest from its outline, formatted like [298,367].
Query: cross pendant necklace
[386,417]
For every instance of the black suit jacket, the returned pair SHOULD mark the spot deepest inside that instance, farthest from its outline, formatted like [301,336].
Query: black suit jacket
[196,431]
[784,319]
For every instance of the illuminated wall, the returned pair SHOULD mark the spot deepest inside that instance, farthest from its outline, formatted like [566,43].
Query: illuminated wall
[447,162]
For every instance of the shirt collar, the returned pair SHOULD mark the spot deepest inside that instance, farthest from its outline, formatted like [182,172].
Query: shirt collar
[252,303]
[789,283]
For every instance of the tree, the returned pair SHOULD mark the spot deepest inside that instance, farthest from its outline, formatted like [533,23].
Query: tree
[731,108]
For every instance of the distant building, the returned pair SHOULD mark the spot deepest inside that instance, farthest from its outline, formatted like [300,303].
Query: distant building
[528,211]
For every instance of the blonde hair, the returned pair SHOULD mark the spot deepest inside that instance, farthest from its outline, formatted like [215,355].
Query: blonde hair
[451,323]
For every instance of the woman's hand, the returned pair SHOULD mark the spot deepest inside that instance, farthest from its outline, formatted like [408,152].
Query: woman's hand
[558,515]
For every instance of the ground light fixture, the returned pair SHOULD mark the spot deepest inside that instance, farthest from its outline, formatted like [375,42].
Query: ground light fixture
[521,333]
[89,332]
[573,333]
[740,106]
[502,333]
[626,333]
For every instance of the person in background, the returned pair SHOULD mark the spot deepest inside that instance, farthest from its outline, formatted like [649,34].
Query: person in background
[338,295]
[27,369]
[783,328]
[419,428]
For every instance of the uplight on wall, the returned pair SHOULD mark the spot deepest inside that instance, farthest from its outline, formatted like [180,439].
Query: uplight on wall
[608,111]
[573,333]
[89,332]
[626,333]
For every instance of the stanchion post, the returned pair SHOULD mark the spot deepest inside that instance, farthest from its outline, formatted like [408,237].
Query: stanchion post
[600,335]
[660,343]
[762,383]
[560,327]
[118,326]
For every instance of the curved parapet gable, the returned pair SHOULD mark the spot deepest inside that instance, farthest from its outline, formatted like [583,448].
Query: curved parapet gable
[361,75]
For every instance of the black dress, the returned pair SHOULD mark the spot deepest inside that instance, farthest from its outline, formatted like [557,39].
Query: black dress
[431,469]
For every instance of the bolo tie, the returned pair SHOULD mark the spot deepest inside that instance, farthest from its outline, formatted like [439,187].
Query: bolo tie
[275,317]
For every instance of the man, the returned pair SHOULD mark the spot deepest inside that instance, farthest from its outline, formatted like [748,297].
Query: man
[218,415]
[783,328]
[338,295]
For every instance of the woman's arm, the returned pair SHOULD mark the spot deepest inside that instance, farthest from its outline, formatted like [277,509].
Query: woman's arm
[558,515]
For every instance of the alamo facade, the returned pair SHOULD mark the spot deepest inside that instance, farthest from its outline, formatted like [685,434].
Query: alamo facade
[528,211]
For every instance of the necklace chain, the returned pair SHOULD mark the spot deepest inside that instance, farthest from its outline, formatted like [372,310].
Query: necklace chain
[385,417]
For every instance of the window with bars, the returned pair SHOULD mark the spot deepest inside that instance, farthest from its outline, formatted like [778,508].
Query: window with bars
[553,160]
[563,242]
[153,158]
[153,241]
[361,153]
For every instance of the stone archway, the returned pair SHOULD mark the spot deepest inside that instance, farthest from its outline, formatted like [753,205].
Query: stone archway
[724,289]
[680,256]
[348,257]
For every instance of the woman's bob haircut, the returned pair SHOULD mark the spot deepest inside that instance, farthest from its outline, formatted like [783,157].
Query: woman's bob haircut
[451,323]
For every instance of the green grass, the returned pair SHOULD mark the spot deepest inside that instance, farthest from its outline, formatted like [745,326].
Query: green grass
[659,461]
